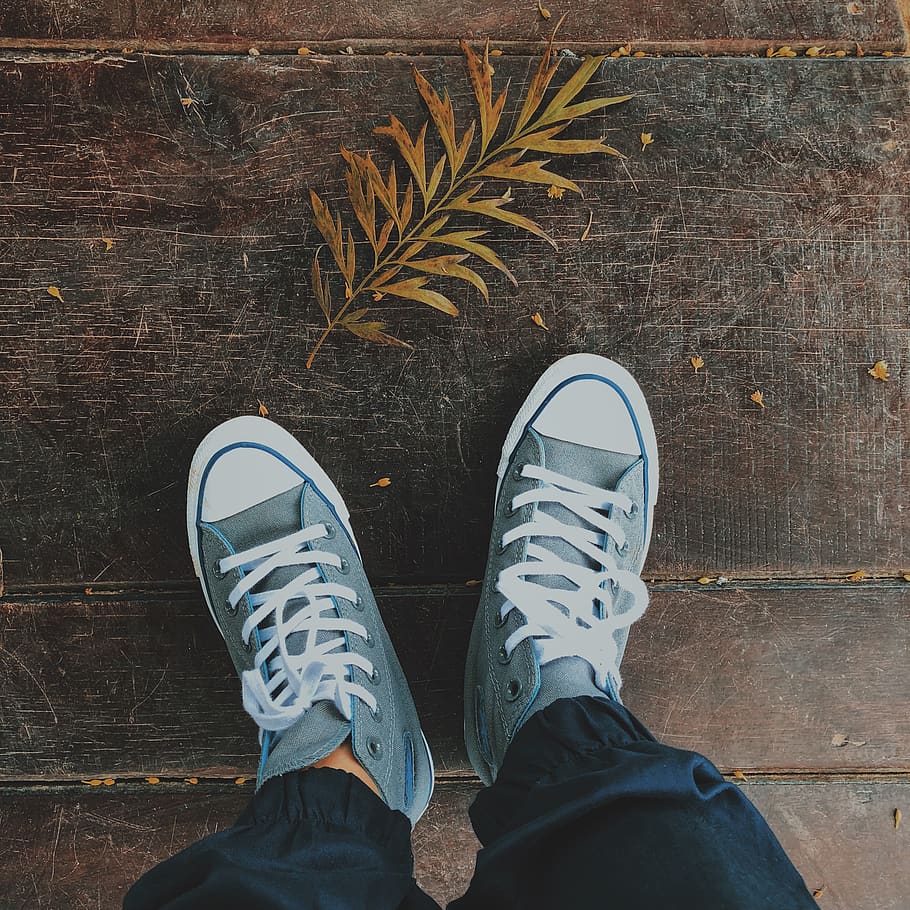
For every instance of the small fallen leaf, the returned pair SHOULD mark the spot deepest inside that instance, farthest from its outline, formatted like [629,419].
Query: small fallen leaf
[624,51]
[537,319]
[555,192]
[587,230]
[859,50]
[879,370]
[858,575]
[382,482]
[705,580]
[109,782]
[240,781]
[153,780]
[54,291]
[378,295]
[814,51]
[253,51]
[897,819]
[639,54]
[758,398]
[191,780]
[840,53]
[840,739]
[739,775]
[472,582]
[818,892]
[89,590]
[887,53]
[855,9]
[95,782]
[348,50]
[496,52]
[108,244]
[544,12]
[303,51]
[697,362]
[187,102]
[785,51]
[646,140]
[906,576]
[263,410]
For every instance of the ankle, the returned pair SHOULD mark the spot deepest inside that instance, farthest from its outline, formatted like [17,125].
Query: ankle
[342,759]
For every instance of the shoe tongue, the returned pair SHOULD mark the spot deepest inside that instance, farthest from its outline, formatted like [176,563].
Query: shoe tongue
[596,467]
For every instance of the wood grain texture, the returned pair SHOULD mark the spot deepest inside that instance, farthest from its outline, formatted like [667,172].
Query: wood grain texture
[309,20]
[62,849]
[755,679]
[765,228]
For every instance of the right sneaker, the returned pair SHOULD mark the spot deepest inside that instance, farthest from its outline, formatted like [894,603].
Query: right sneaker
[272,545]
[571,527]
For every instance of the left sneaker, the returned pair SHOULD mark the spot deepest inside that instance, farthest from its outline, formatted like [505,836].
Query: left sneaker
[572,522]
[272,545]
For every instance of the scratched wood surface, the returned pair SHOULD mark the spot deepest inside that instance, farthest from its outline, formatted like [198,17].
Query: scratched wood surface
[756,679]
[765,228]
[65,850]
[313,21]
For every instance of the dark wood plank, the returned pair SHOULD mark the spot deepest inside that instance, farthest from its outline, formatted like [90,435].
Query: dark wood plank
[755,679]
[311,21]
[760,229]
[62,849]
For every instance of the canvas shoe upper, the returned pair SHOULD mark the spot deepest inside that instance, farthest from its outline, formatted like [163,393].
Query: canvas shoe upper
[571,527]
[272,545]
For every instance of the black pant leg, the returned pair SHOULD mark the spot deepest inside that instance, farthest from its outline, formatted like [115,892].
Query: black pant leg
[589,810]
[314,840]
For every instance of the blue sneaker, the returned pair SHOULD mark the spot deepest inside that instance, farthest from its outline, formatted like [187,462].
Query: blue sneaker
[572,523]
[272,545]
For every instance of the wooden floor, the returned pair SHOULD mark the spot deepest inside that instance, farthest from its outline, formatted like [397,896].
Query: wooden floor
[766,229]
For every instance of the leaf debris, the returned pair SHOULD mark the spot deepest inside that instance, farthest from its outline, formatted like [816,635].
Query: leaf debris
[839,740]
[544,12]
[706,580]
[555,192]
[785,51]
[382,482]
[240,781]
[897,819]
[739,775]
[303,51]
[263,410]
[624,50]
[55,292]
[818,892]
[191,780]
[879,370]
[253,51]
[587,230]
[153,780]
[697,362]
[858,575]
[759,398]
[646,140]
[472,582]
[108,244]
[537,319]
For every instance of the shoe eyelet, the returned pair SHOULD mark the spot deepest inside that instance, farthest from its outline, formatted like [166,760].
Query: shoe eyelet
[624,549]
[247,646]
[329,531]
[377,714]
[231,611]
[216,569]
[345,567]
[503,657]
[374,747]
[633,511]
[358,603]
[502,547]
[369,641]
[500,620]
[516,472]
[375,676]
[513,689]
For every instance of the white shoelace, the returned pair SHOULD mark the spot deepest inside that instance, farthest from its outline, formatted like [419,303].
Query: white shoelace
[569,622]
[322,669]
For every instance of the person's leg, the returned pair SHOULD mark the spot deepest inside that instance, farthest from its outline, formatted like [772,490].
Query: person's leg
[313,839]
[583,807]
[345,769]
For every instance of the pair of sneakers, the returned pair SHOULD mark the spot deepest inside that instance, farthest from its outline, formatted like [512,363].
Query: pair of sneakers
[272,544]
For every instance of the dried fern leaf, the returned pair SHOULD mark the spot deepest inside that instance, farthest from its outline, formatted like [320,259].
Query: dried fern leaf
[413,289]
